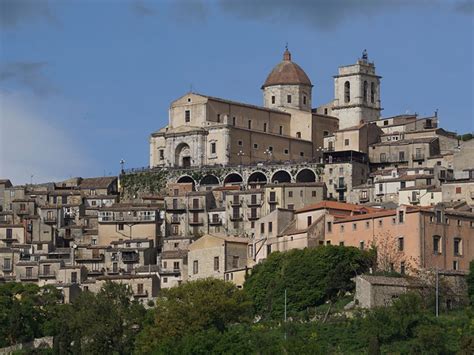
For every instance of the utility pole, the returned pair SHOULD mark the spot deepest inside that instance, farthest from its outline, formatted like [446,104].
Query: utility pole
[285,315]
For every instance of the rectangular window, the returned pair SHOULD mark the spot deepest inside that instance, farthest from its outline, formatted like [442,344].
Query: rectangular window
[291,206]
[255,146]
[455,265]
[162,154]
[401,156]
[457,247]
[346,142]
[213,148]
[367,225]
[401,217]
[401,244]
[458,190]
[286,151]
[176,265]
[262,228]
[265,127]
[195,267]
[273,99]
[362,245]
[290,193]
[120,226]
[64,200]
[383,157]
[313,193]
[288,99]
[329,224]
[233,121]
[342,228]
[9,233]
[235,262]
[270,227]
[341,244]
[402,268]
[218,118]
[354,226]
[309,220]
[73,277]
[250,124]
[436,244]
[304,100]
[187,116]
[281,130]
[216,263]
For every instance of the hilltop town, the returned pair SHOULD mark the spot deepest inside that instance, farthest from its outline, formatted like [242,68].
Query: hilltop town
[230,183]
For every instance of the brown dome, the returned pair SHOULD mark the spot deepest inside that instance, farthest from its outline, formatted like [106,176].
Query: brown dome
[287,73]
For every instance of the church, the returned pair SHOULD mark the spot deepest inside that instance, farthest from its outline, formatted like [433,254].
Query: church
[205,130]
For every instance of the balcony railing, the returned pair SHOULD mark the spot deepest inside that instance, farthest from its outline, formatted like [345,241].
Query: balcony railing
[29,277]
[234,217]
[273,199]
[50,219]
[254,203]
[196,221]
[253,216]
[235,203]
[176,206]
[196,207]
[215,222]
[418,157]
[142,293]
[340,187]
[47,275]
[130,257]
[175,220]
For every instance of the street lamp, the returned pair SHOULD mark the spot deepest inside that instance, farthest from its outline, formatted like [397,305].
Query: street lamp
[268,153]
[240,154]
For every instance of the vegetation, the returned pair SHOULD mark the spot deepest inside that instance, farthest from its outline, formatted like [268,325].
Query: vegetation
[465,137]
[310,277]
[213,316]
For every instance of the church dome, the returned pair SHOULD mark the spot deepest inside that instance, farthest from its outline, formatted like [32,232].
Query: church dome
[287,73]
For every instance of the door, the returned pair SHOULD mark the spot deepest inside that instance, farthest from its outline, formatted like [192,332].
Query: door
[186,162]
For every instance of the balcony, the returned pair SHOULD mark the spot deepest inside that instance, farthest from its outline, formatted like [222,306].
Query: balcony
[235,203]
[92,258]
[236,217]
[340,187]
[272,200]
[175,220]
[130,257]
[254,203]
[141,293]
[363,198]
[47,275]
[50,219]
[196,221]
[95,272]
[196,207]
[29,277]
[215,222]
[253,216]
[418,157]
[169,271]
[176,206]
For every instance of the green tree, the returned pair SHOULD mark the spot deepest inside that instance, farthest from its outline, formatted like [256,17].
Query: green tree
[470,282]
[310,276]
[107,322]
[27,311]
[192,307]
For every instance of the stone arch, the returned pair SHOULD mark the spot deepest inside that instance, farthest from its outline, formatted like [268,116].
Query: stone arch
[182,157]
[306,175]
[209,179]
[281,176]
[233,179]
[257,178]
[186,179]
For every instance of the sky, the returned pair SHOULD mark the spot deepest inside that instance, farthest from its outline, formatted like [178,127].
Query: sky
[84,83]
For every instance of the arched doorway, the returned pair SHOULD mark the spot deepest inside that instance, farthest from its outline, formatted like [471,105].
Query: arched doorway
[186,179]
[209,180]
[183,155]
[257,179]
[306,175]
[233,179]
[281,176]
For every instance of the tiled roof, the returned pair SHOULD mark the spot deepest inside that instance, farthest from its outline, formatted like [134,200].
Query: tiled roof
[174,254]
[287,73]
[406,141]
[97,182]
[335,206]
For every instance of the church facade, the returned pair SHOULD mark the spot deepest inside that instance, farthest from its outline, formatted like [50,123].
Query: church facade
[206,131]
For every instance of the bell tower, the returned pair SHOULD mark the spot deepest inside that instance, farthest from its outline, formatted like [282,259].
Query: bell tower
[357,93]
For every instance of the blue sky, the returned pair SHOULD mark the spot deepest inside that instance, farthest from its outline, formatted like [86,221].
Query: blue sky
[84,83]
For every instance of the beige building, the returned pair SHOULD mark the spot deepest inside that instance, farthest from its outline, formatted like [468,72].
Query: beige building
[205,130]
[214,256]
[458,190]
[243,209]
[129,221]
[173,268]
[420,195]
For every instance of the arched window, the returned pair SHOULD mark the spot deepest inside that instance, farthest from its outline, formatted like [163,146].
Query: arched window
[366,89]
[347,91]
[372,92]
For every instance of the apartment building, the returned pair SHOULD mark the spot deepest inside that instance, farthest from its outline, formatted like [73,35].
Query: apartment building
[243,208]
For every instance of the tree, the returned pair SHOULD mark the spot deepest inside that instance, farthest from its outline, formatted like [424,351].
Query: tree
[193,307]
[470,282]
[107,322]
[27,311]
[389,255]
[310,277]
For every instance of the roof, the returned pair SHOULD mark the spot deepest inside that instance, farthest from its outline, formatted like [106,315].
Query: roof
[130,207]
[287,73]
[388,281]
[336,206]
[424,140]
[97,182]
[296,184]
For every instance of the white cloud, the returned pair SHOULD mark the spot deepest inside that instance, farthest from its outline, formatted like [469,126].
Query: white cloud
[31,143]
